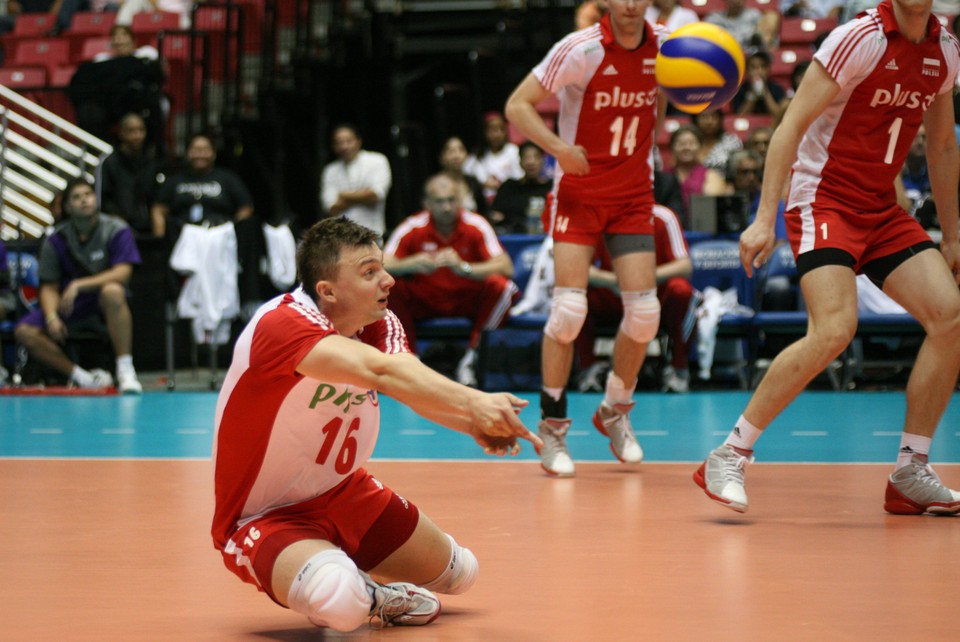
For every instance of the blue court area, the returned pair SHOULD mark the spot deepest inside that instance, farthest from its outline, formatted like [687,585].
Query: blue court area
[820,427]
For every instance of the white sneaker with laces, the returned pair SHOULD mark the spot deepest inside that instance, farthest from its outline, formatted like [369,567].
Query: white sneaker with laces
[101,379]
[128,383]
[614,422]
[676,380]
[554,458]
[401,603]
[721,477]
[916,488]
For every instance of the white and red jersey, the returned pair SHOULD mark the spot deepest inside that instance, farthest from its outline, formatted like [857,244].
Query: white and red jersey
[473,238]
[608,104]
[852,152]
[282,438]
[668,237]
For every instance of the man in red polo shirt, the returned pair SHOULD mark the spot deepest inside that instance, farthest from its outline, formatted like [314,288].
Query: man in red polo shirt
[449,263]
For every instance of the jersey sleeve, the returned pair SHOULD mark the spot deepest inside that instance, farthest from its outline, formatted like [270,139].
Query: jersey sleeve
[563,65]
[851,51]
[951,54]
[283,337]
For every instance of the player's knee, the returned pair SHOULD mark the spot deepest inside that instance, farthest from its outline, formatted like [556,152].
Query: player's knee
[460,573]
[330,591]
[568,311]
[641,315]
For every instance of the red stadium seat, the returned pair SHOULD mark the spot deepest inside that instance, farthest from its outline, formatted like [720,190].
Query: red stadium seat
[742,125]
[803,31]
[21,78]
[146,26]
[50,53]
[91,47]
[91,23]
[60,77]
[33,24]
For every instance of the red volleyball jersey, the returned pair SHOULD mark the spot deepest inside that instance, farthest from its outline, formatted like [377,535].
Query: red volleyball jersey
[851,154]
[282,438]
[474,239]
[608,104]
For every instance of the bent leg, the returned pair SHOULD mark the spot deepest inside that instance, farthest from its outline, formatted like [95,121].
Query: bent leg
[113,303]
[42,348]
[925,287]
[831,295]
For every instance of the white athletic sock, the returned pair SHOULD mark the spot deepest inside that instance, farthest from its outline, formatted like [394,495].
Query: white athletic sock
[911,445]
[81,377]
[743,435]
[616,392]
[125,363]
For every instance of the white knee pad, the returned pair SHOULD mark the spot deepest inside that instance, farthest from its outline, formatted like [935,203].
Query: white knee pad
[460,574]
[641,315]
[568,310]
[330,591]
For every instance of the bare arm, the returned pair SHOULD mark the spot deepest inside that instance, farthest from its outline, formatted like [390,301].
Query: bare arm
[491,419]
[679,267]
[119,273]
[158,219]
[814,94]
[944,168]
[243,213]
[521,110]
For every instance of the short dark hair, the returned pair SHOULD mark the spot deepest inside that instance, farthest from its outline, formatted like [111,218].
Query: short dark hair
[321,246]
[73,184]
[529,144]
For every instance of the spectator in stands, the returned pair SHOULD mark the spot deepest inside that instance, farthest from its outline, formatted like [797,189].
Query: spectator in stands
[449,263]
[128,179]
[812,8]
[130,8]
[670,14]
[202,193]
[916,178]
[686,144]
[8,302]
[588,13]
[85,266]
[758,94]
[744,175]
[453,155]
[717,143]
[498,158]
[126,80]
[747,24]
[795,77]
[758,140]
[667,191]
[355,186]
[520,201]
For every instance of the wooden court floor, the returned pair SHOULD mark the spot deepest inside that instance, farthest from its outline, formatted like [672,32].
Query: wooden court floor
[106,550]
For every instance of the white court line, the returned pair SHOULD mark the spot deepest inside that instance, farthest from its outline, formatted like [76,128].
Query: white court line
[417,432]
[808,433]
[720,433]
[578,433]
[192,431]
[887,433]
[118,431]
[651,433]
[46,431]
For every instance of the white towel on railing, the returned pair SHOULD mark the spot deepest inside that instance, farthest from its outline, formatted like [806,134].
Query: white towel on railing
[210,296]
[716,303]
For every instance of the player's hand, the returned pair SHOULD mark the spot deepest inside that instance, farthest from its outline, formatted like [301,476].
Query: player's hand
[951,254]
[422,263]
[756,246]
[448,257]
[573,160]
[496,426]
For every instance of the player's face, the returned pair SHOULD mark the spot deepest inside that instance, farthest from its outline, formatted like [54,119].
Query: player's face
[627,13]
[443,201]
[81,202]
[914,6]
[362,284]
[454,154]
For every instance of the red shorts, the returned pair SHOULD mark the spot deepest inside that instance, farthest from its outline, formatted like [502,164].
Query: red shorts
[360,515]
[866,236]
[584,223]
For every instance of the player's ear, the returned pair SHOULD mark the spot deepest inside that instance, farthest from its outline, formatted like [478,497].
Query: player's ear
[325,292]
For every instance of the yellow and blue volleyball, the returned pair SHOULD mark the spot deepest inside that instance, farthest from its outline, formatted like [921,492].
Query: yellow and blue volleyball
[700,66]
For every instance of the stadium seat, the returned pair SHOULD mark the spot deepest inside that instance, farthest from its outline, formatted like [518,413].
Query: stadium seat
[803,31]
[146,26]
[91,23]
[91,47]
[23,78]
[784,59]
[33,24]
[703,7]
[48,53]
[744,124]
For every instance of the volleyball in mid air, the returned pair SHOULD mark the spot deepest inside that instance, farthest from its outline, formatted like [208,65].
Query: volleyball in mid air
[700,66]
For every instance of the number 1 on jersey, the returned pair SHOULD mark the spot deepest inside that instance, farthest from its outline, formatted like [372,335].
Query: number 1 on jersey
[629,140]
[894,132]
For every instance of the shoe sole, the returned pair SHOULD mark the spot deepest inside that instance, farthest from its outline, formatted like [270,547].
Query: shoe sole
[599,426]
[896,503]
[554,473]
[701,481]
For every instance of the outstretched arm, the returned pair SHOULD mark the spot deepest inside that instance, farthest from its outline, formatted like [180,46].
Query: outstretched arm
[490,418]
